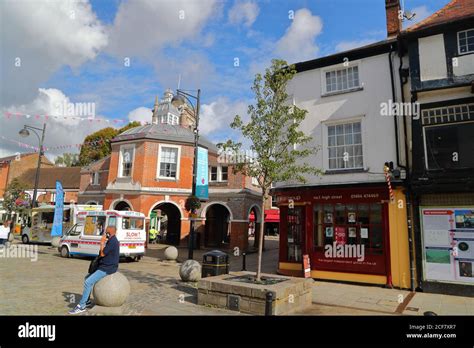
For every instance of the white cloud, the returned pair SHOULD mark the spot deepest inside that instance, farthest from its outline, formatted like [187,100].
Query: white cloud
[348,45]
[298,43]
[422,12]
[142,27]
[245,12]
[141,114]
[218,115]
[44,35]
[59,131]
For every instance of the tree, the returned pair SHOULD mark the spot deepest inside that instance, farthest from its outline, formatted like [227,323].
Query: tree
[278,145]
[14,199]
[67,160]
[97,145]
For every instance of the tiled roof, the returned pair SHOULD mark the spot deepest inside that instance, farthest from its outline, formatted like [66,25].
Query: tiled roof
[165,132]
[455,10]
[11,158]
[69,176]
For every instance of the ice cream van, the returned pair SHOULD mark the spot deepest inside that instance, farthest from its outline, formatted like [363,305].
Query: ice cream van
[38,222]
[83,238]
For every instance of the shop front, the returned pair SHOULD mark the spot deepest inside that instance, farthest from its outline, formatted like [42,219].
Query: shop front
[346,232]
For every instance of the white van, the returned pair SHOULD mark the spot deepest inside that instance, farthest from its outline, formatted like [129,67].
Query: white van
[84,237]
[41,221]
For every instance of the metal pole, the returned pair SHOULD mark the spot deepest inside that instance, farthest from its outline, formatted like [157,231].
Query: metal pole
[244,263]
[196,144]
[268,303]
[35,190]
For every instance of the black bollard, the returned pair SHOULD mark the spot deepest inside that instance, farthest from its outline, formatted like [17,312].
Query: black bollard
[429,313]
[268,303]
[244,264]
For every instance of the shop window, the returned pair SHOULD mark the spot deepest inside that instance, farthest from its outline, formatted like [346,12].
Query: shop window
[348,223]
[295,233]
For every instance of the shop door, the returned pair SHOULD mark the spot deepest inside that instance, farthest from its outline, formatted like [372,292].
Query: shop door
[295,233]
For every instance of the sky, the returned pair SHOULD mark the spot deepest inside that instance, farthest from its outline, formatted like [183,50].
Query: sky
[117,55]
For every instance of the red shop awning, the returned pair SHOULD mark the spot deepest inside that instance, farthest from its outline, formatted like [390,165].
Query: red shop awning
[272,215]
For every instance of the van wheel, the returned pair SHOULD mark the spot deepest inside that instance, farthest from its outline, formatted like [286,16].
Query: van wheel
[137,258]
[25,239]
[65,252]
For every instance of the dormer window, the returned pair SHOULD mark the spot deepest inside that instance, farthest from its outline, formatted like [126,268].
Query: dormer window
[170,119]
[466,41]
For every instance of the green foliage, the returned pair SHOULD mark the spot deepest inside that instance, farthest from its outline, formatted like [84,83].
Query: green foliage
[192,204]
[67,160]
[278,144]
[97,144]
[13,192]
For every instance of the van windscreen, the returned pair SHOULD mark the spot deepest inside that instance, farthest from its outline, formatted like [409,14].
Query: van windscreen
[131,223]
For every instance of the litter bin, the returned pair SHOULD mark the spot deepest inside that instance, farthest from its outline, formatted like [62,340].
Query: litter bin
[214,263]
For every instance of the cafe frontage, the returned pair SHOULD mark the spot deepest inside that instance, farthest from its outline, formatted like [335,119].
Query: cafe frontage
[353,234]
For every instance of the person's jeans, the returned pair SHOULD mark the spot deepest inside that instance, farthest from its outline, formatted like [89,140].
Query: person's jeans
[89,282]
[3,241]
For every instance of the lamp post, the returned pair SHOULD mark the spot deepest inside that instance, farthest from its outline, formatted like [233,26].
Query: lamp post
[24,133]
[179,100]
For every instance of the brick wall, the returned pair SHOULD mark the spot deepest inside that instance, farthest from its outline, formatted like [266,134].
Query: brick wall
[4,167]
[14,168]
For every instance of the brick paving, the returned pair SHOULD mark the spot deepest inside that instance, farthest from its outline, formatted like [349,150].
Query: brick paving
[52,285]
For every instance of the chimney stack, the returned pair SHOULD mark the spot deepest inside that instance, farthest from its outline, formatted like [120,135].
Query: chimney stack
[394,22]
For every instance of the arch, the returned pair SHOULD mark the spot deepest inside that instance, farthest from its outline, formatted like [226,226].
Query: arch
[92,203]
[259,217]
[204,210]
[167,221]
[217,229]
[115,202]
[154,205]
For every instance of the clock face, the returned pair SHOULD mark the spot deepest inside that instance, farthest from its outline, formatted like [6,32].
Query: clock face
[463,246]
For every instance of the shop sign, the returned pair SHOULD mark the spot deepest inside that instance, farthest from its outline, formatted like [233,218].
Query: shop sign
[306,266]
[448,238]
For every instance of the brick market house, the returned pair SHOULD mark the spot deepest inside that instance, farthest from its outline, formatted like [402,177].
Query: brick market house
[151,169]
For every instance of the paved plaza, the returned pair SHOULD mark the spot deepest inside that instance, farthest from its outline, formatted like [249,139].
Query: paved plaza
[52,285]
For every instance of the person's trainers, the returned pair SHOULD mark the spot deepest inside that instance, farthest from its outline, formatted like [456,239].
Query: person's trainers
[77,310]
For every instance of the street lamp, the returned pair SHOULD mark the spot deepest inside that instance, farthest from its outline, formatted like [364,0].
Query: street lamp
[179,100]
[24,133]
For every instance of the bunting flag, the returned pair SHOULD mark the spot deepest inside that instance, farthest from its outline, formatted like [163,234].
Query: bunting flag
[59,147]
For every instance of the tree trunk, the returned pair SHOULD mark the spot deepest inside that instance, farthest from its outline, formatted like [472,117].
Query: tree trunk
[260,239]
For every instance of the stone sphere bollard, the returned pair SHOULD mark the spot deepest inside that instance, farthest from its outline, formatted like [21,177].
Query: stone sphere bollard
[171,253]
[55,241]
[112,290]
[190,271]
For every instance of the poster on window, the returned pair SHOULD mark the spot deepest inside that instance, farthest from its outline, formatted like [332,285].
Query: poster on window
[202,175]
[448,238]
[341,236]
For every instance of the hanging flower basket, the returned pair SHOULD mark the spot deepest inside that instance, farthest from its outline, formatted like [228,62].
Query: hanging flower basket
[192,204]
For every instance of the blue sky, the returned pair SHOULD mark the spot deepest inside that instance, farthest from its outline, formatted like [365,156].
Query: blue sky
[86,62]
